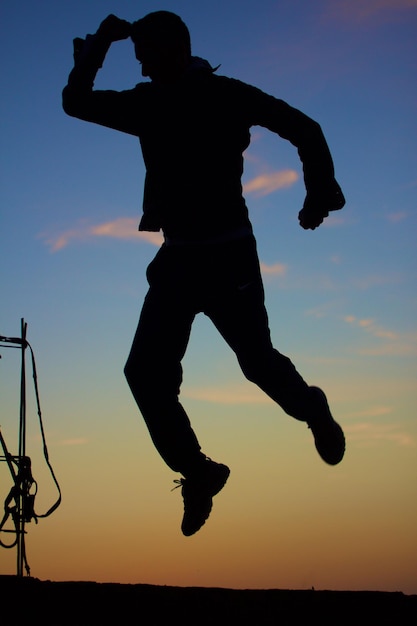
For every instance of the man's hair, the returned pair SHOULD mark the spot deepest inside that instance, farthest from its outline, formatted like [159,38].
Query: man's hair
[161,27]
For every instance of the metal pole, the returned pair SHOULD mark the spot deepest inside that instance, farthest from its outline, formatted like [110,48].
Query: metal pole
[21,455]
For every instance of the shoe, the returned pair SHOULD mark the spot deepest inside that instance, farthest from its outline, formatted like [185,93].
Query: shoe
[328,435]
[198,492]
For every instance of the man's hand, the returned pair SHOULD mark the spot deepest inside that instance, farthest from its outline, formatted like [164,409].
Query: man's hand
[309,220]
[114,29]
[317,206]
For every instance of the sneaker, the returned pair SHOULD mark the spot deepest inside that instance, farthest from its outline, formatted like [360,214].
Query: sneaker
[198,492]
[328,435]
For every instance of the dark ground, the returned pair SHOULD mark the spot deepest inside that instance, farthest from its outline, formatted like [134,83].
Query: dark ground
[32,602]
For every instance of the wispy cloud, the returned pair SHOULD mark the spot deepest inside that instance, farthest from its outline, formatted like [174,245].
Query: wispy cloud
[374,280]
[121,228]
[324,309]
[335,219]
[232,394]
[80,441]
[404,346]
[125,228]
[278,269]
[371,326]
[365,432]
[368,433]
[373,411]
[393,343]
[361,10]
[397,216]
[264,184]
[336,259]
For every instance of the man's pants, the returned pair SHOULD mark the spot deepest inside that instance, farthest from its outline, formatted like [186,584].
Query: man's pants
[224,282]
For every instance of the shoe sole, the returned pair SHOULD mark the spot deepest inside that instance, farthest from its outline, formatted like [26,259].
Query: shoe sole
[331,457]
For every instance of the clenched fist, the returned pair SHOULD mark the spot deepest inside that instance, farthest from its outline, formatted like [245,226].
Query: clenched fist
[114,29]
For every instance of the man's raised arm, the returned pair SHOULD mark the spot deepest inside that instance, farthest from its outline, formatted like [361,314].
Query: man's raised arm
[78,97]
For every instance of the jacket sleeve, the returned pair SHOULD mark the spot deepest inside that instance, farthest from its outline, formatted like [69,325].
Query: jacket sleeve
[113,109]
[307,136]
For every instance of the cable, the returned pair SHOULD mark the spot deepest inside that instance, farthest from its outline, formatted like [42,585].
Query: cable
[45,447]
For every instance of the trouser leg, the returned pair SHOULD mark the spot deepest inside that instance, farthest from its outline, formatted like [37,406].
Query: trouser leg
[242,320]
[154,374]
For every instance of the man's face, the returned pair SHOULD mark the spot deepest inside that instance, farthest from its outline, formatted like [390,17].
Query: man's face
[162,64]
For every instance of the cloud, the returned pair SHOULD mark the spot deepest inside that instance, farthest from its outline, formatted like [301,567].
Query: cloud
[402,347]
[264,184]
[232,394]
[374,411]
[370,434]
[398,216]
[278,269]
[335,219]
[125,228]
[361,10]
[394,343]
[324,309]
[121,228]
[365,432]
[81,441]
[371,326]
[376,280]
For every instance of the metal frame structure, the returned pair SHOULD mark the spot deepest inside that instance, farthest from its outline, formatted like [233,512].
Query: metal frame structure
[19,504]
[18,464]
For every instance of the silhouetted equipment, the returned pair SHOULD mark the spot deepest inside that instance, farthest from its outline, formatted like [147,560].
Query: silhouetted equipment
[19,506]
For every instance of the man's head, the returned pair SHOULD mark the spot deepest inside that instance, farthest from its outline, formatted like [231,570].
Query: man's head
[162,45]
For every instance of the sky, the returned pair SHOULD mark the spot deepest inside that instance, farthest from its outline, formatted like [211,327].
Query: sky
[341,303]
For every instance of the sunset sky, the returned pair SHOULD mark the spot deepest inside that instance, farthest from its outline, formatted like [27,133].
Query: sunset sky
[341,302]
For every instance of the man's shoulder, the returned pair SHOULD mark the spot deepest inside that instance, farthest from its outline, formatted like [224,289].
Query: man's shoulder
[229,87]
[238,86]
[229,82]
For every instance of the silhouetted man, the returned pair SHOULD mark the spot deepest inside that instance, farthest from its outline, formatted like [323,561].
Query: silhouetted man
[193,127]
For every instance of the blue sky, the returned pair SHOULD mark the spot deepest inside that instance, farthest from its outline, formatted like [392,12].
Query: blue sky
[341,299]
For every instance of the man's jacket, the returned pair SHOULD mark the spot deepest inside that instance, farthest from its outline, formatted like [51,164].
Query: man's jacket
[193,135]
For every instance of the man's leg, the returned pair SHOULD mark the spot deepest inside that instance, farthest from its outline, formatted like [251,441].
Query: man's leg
[242,320]
[154,374]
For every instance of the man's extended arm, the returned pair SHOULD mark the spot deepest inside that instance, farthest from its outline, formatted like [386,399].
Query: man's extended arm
[108,108]
[323,191]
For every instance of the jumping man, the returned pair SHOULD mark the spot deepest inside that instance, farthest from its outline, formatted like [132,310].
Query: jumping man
[193,126]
